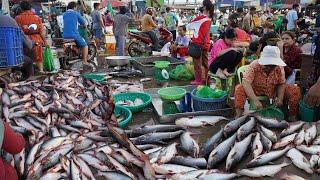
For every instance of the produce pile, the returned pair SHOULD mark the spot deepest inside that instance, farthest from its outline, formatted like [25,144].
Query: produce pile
[64,120]
[228,147]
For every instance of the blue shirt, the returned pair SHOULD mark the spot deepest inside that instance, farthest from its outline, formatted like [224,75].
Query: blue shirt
[71,19]
[171,21]
[292,16]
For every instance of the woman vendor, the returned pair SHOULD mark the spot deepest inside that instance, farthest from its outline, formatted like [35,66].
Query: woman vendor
[265,77]
[290,52]
[223,56]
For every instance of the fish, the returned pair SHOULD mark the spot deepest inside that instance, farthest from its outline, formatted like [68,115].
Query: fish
[171,168]
[262,171]
[189,161]
[266,143]
[246,129]
[316,141]
[285,141]
[19,161]
[314,161]
[313,149]
[311,134]
[51,176]
[167,153]
[272,136]
[189,145]
[257,146]
[293,127]
[75,170]
[152,129]
[156,137]
[221,151]
[299,160]
[113,175]
[189,175]
[237,152]
[94,162]
[218,176]
[272,123]
[199,121]
[234,125]
[286,176]
[299,139]
[147,146]
[267,157]
[209,144]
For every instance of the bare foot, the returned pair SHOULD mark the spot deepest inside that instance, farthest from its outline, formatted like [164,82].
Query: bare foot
[225,72]
[220,74]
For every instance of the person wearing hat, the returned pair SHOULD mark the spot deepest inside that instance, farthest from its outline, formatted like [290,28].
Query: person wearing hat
[266,77]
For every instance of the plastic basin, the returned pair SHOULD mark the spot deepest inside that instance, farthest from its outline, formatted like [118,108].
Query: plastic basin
[161,64]
[120,110]
[273,112]
[94,77]
[132,96]
[171,93]
[306,113]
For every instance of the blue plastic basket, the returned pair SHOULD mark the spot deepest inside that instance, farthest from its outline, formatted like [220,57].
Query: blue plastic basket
[207,104]
[11,48]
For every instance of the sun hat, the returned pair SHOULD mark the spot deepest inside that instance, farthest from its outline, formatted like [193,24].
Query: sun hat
[271,56]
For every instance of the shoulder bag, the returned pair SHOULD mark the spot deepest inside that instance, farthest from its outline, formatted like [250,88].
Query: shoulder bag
[195,50]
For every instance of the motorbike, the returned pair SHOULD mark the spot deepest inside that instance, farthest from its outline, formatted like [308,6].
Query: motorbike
[72,54]
[141,43]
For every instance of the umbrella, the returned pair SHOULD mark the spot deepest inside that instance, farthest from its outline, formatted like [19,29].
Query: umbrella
[114,3]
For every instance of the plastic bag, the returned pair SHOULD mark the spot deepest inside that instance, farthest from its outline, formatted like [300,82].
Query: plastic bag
[181,73]
[207,92]
[48,60]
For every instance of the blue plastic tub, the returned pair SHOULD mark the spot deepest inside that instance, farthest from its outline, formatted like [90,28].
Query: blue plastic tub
[11,48]
[208,104]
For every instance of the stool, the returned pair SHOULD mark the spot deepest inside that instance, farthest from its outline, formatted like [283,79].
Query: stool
[224,84]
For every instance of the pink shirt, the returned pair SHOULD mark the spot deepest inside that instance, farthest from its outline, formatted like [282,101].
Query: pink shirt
[218,46]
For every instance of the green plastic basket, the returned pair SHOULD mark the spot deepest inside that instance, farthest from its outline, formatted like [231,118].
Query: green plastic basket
[132,96]
[94,77]
[306,112]
[171,93]
[161,64]
[118,111]
[272,112]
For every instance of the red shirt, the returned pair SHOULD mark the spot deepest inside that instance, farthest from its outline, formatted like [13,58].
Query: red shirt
[13,143]
[203,31]
[292,58]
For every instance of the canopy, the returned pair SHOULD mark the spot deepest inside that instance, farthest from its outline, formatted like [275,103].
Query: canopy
[114,3]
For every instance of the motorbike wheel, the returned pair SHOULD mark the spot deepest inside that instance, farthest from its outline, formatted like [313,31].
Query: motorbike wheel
[135,49]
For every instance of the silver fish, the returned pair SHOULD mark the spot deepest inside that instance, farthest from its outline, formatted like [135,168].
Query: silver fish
[171,168]
[299,160]
[130,158]
[257,146]
[311,133]
[234,125]
[94,162]
[75,170]
[167,153]
[155,137]
[199,121]
[285,141]
[189,145]
[246,129]
[314,161]
[120,167]
[293,127]
[189,161]
[53,143]
[286,176]
[313,149]
[147,146]
[237,152]
[316,141]
[299,139]
[85,169]
[20,161]
[113,175]
[267,157]
[51,176]
[272,136]
[268,170]
[54,156]
[190,175]
[267,144]
[272,123]
[221,151]
[65,163]
[218,176]
[211,142]
[5,99]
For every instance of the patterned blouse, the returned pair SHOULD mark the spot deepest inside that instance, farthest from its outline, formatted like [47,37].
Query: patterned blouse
[264,84]
[292,58]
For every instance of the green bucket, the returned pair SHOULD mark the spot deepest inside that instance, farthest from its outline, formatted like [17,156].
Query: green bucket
[306,113]
[123,111]
[132,96]
[272,112]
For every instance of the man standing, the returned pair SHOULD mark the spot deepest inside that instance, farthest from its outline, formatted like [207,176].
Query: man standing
[172,22]
[292,18]
[97,24]
[248,22]
[267,15]
[236,18]
[120,28]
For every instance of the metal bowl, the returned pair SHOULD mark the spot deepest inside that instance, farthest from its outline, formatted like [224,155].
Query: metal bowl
[117,60]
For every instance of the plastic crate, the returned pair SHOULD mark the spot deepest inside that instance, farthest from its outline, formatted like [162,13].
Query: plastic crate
[207,104]
[11,48]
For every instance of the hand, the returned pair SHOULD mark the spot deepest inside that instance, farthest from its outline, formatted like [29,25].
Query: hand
[313,97]
[280,44]
[258,104]
[278,102]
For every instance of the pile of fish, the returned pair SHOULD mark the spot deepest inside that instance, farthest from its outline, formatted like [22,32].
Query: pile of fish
[233,143]
[64,120]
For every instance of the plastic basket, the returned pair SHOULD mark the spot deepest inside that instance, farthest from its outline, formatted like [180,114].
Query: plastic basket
[306,112]
[11,48]
[118,111]
[171,93]
[132,96]
[207,104]
[94,77]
